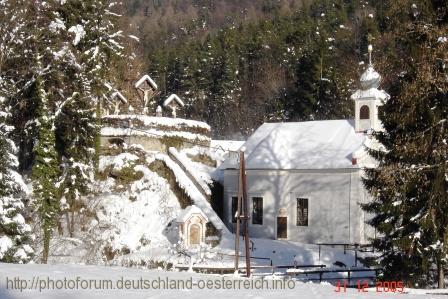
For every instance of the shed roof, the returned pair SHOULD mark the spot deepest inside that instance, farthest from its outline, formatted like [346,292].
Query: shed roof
[325,144]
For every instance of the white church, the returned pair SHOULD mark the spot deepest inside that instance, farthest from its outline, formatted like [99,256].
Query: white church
[304,178]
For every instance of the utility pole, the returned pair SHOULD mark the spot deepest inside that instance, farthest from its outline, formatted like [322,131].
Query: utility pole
[238,213]
[246,212]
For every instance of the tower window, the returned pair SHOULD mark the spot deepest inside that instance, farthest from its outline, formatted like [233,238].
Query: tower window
[364,112]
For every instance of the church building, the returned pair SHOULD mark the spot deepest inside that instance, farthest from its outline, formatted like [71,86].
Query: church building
[304,178]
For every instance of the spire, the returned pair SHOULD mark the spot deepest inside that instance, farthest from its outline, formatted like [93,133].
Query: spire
[370,78]
[368,98]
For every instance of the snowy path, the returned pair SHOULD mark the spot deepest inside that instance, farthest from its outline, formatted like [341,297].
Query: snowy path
[118,276]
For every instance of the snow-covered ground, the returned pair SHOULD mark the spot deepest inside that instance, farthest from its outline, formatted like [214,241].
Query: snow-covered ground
[116,282]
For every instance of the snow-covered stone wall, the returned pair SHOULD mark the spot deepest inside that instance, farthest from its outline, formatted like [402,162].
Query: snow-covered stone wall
[154,133]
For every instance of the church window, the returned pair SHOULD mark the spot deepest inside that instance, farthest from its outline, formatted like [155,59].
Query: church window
[257,210]
[364,112]
[302,211]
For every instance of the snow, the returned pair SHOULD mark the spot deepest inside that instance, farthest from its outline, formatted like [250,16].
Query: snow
[148,79]
[56,25]
[134,37]
[162,121]
[175,98]
[187,185]
[117,275]
[79,32]
[182,158]
[107,131]
[370,93]
[137,216]
[117,162]
[227,145]
[120,96]
[5,245]
[301,145]
[188,211]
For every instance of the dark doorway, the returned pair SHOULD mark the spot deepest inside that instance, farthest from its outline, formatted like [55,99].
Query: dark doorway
[282,227]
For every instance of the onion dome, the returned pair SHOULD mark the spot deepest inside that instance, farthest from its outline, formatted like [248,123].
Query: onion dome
[370,78]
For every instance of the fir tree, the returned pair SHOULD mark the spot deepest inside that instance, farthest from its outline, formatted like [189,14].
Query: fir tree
[95,44]
[15,234]
[410,186]
[45,171]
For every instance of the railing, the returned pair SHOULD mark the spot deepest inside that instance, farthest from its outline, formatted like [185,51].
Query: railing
[222,270]
[292,273]
[350,246]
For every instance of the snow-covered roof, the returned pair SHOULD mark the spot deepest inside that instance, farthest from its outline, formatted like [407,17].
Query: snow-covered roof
[171,98]
[325,144]
[187,212]
[146,78]
[370,93]
[118,94]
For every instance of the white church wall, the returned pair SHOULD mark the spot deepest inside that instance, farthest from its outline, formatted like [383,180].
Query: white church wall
[333,203]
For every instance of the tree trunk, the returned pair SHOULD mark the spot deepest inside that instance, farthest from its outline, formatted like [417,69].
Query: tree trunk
[46,250]
[72,224]
[440,275]
[67,216]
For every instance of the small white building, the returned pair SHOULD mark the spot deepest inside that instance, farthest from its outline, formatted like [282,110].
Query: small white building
[192,226]
[304,178]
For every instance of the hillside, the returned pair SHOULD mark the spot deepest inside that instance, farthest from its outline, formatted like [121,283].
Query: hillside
[238,64]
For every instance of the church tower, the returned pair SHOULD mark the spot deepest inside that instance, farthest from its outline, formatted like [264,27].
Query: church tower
[368,98]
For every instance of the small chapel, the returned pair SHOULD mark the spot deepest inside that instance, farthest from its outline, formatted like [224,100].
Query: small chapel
[305,178]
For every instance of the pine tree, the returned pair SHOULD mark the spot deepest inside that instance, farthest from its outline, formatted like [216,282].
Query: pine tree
[410,185]
[45,172]
[15,234]
[95,42]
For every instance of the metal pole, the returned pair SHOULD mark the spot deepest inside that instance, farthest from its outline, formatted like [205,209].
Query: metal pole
[238,218]
[246,213]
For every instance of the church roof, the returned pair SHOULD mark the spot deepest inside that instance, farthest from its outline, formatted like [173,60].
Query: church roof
[325,144]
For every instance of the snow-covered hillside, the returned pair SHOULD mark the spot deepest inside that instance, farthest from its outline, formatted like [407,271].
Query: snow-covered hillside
[137,197]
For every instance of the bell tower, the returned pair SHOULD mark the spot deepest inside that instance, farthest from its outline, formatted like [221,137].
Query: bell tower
[368,98]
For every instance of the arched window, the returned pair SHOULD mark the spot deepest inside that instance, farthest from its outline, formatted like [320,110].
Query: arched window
[364,112]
